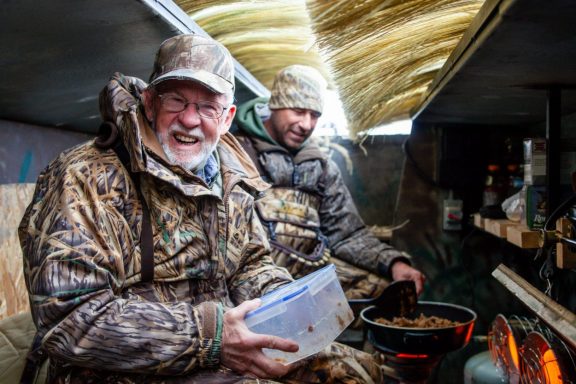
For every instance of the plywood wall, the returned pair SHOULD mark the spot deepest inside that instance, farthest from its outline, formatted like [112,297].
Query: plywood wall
[14,198]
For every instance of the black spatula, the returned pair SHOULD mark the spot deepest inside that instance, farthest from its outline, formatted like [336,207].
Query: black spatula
[398,299]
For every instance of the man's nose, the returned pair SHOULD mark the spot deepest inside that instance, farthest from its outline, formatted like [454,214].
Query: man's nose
[308,122]
[190,117]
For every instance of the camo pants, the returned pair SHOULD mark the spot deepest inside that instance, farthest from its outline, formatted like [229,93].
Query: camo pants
[338,363]
[358,283]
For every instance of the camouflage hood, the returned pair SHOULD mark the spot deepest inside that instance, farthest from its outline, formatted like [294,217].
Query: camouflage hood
[120,104]
[250,122]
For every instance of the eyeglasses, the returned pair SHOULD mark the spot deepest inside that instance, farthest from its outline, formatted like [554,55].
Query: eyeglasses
[207,109]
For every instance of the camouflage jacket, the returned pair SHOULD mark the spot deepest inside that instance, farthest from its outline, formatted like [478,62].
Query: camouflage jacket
[81,243]
[311,171]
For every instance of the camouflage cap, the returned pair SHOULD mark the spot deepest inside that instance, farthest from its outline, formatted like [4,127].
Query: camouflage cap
[197,58]
[298,86]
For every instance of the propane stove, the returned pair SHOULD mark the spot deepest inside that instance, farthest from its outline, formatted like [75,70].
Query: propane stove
[405,368]
[411,355]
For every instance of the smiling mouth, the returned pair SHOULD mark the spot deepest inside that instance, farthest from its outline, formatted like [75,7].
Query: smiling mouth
[186,139]
[298,136]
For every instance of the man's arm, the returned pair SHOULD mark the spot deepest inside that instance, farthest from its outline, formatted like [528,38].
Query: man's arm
[349,238]
[257,274]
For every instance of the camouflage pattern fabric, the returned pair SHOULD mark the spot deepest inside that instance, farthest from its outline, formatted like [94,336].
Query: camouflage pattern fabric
[311,179]
[293,225]
[80,241]
[298,86]
[358,283]
[197,58]
[296,226]
[337,363]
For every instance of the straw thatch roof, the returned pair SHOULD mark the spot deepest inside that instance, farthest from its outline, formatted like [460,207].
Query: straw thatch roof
[263,35]
[380,54]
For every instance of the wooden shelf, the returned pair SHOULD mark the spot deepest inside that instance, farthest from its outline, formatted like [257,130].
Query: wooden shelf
[498,227]
[523,237]
[513,232]
[499,73]
[557,317]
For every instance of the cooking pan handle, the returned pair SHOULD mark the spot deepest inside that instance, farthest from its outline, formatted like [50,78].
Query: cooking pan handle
[419,339]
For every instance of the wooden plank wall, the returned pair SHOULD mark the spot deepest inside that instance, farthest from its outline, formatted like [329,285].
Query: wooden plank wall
[14,198]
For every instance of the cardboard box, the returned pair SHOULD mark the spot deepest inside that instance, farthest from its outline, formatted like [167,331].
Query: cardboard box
[534,200]
[535,161]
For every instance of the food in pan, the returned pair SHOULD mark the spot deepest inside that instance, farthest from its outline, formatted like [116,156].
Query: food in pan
[421,321]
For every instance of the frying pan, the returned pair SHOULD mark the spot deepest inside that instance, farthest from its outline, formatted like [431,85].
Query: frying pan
[428,341]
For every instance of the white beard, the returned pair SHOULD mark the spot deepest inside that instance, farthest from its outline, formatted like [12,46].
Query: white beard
[191,163]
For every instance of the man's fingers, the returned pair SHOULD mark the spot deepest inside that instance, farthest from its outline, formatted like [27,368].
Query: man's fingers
[247,306]
[419,279]
[257,364]
[242,349]
[240,311]
[419,287]
[275,342]
[268,368]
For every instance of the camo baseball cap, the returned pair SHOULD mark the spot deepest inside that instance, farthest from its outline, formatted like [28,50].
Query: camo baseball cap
[197,58]
[298,86]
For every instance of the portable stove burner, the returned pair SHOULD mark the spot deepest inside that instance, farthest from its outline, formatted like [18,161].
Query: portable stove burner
[504,340]
[405,367]
[546,360]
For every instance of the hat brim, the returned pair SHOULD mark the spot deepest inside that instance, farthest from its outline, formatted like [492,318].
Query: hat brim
[211,81]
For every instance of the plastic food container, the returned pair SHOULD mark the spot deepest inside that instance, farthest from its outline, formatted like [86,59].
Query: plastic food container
[312,311]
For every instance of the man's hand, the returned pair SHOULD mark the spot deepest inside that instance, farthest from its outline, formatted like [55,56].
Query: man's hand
[242,349]
[402,271]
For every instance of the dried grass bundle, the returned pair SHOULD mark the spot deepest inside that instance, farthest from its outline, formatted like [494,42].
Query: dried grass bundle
[382,54]
[385,53]
[263,35]
[192,6]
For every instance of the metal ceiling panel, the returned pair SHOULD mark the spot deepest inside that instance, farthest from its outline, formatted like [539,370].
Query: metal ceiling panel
[58,54]
[499,74]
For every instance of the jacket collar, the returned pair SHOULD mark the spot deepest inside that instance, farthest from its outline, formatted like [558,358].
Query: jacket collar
[120,102]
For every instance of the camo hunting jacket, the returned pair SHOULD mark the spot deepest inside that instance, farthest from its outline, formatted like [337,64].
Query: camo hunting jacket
[320,186]
[80,238]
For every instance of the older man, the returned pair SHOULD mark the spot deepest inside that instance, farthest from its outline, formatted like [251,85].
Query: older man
[310,215]
[142,250]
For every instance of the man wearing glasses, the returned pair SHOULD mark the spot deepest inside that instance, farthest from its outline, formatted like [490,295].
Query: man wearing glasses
[142,249]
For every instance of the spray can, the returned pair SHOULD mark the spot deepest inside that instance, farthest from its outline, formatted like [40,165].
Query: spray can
[452,217]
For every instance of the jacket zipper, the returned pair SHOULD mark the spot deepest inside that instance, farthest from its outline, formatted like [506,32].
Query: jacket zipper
[235,179]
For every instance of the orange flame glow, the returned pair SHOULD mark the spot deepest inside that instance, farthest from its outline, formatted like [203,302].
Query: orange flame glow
[551,367]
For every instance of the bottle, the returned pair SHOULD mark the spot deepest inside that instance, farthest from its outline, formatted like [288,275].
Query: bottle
[515,179]
[492,193]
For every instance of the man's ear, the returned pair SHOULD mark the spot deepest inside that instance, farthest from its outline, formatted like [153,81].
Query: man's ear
[148,102]
[228,121]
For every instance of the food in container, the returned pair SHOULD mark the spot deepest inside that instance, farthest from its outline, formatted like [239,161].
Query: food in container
[312,311]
